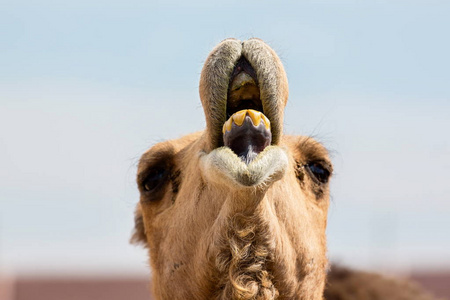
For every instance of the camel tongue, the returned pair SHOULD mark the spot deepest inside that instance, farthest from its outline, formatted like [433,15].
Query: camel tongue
[247,133]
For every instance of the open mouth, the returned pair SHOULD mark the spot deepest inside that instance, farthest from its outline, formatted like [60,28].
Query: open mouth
[244,90]
[247,131]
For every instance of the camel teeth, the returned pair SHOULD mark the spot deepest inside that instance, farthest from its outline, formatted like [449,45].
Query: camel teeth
[266,121]
[239,117]
[227,125]
[255,116]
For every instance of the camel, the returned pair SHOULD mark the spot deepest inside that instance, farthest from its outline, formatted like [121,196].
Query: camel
[239,210]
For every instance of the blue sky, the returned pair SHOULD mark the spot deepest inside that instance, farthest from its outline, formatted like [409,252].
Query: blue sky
[86,86]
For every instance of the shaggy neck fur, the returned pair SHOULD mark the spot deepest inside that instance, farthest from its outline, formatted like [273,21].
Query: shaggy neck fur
[248,258]
[244,260]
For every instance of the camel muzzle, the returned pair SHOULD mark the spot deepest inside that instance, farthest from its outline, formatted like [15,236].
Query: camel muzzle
[241,77]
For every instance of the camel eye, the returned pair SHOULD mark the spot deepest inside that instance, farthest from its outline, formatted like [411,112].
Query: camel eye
[155,180]
[319,172]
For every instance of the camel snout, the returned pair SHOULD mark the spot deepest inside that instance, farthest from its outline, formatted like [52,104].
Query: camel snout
[241,76]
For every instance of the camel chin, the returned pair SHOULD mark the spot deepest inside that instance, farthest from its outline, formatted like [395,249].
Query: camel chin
[224,167]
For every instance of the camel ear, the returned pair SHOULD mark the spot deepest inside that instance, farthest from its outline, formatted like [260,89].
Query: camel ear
[138,237]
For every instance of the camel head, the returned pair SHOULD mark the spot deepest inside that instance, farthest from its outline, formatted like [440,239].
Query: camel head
[239,210]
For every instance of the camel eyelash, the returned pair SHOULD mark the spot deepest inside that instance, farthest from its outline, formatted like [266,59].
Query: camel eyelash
[154,182]
[155,179]
[318,171]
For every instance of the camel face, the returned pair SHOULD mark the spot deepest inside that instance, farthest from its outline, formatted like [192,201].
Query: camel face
[239,210]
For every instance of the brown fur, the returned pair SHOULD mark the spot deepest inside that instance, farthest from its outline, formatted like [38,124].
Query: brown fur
[252,251]
[217,228]
[344,284]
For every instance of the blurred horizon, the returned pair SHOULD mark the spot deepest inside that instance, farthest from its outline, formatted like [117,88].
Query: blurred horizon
[86,87]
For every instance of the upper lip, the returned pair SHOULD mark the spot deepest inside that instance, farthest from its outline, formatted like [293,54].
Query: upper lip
[248,61]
